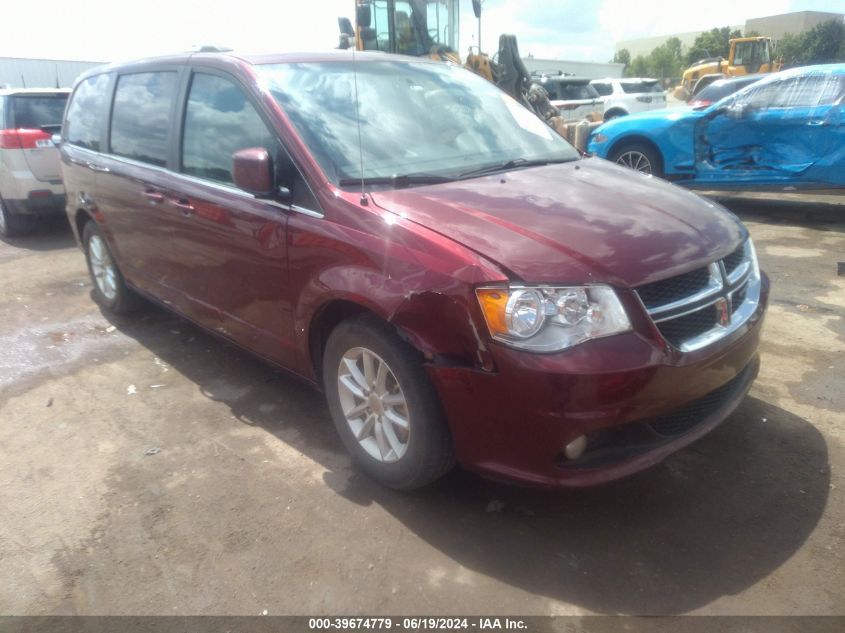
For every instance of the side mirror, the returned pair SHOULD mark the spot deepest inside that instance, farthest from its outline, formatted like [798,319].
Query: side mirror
[57,139]
[252,171]
[345,27]
[476,8]
[363,16]
[737,110]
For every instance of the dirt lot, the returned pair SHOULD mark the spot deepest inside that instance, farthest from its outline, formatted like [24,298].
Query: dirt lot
[250,504]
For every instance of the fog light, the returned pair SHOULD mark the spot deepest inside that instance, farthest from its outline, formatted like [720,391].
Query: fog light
[576,447]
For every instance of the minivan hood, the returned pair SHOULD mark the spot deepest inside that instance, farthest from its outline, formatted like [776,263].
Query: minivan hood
[584,221]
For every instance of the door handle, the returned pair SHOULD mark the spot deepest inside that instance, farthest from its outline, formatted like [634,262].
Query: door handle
[153,196]
[817,122]
[96,167]
[183,205]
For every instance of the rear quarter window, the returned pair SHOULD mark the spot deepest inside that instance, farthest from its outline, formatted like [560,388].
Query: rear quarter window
[141,116]
[87,111]
[37,111]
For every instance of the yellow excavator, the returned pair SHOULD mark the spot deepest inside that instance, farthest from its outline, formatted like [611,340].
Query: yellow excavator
[429,28]
[748,55]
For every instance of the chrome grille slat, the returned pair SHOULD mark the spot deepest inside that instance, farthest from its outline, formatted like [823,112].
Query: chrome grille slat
[698,308]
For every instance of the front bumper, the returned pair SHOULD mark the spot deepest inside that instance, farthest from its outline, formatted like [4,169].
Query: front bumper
[636,401]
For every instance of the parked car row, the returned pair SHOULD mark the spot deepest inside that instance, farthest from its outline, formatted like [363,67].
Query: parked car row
[461,283]
[595,99]
[780,135]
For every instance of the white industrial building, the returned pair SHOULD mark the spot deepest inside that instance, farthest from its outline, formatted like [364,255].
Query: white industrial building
[774,26]
[591,70]
[23,72]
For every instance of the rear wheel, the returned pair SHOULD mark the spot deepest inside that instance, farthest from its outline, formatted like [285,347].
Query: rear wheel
[11,224]
[384,406]
[110,289]
[639,157]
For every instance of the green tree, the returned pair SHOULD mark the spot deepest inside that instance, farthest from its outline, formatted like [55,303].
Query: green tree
[639,67]
[791,49]
[823,44]
[712,43]
[622,56]
[666,60]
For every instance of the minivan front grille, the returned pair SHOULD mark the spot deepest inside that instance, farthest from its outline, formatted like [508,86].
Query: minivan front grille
[688,326]
[675,288]
[733,261]
[699,307]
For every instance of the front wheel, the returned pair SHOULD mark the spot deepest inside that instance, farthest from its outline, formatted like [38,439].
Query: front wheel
[639,157]
[384,406]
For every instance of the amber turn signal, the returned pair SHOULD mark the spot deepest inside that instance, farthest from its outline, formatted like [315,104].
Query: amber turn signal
[493,303]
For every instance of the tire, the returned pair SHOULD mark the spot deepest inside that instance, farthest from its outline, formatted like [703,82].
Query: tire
[110,289]
[614,114]
[400,457]
[12,224]
[639,157]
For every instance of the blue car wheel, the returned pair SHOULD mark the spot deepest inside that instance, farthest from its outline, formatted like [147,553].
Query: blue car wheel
[639,157]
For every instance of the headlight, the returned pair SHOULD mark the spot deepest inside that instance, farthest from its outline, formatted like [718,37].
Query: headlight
[599,138]
[551,318]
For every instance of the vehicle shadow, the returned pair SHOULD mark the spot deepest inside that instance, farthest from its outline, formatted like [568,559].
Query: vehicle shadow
[710,521]
[816,216]
[50,234]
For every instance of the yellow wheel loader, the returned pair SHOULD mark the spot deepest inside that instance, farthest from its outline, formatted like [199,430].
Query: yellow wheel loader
[748,55]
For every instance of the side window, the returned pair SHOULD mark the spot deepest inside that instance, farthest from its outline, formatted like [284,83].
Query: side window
[88,108]
[219,121]
[808,91]
[141,116]
[604,90]
[2,113]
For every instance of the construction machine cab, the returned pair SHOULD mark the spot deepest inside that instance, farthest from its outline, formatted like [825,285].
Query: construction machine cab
[751,53]
[408,27]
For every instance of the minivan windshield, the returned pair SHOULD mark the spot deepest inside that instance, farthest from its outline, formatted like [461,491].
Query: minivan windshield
[416,119]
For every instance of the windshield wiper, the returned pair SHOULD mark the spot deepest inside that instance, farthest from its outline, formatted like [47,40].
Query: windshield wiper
[397,181]
[513,164]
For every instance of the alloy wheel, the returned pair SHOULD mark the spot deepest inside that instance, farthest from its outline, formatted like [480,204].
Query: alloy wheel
[102,267]
[373,404]
[635,160]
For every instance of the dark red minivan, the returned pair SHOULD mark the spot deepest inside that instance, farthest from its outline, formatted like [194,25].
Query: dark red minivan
[461,283]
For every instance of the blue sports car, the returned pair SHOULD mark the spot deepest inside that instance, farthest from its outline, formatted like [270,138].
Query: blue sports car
[783,135]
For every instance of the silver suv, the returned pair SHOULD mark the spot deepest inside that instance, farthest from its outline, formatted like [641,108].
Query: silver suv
[30,180]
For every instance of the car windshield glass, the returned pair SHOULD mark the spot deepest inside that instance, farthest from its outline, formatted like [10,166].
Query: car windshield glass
[634,87]
[720,89]
[415,118]
[36,111]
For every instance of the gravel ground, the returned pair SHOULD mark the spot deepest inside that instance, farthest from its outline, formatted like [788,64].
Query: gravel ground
[146,468]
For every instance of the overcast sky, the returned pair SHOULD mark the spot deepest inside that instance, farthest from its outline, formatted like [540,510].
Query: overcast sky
[564,29]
